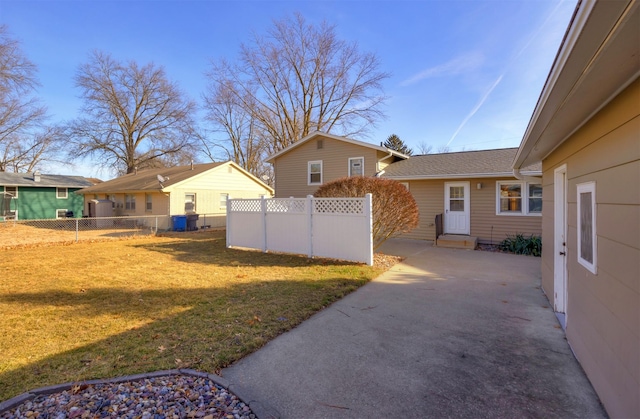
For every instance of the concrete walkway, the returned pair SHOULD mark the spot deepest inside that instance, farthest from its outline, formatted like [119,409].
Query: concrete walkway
[446,334]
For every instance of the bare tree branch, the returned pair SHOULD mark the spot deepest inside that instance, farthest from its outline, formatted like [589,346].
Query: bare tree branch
[133,116]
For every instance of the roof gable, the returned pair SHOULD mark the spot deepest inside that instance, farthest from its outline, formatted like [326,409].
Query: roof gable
[316,134]
[465,164]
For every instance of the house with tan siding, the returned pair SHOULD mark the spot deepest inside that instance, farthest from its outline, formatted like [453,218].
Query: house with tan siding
[586,131]
[320,158]
[476,192]
[180,190]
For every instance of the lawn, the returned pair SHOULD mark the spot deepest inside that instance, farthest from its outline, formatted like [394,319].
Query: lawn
[92,310]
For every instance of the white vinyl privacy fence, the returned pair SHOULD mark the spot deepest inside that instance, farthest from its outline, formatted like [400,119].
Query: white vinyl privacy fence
[338,228]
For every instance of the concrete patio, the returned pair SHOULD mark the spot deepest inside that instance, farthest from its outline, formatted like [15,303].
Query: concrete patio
[448,333]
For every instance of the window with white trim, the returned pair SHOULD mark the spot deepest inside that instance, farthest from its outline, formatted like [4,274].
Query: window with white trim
[314,172]
[148,198]
[189,202]
[62,193]
[223,200]
[61,213]
[518,198]
[356,166]
[11,190]
[587,244]
[130,202]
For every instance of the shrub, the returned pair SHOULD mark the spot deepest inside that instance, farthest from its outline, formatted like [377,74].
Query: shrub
[394,210]
[521,245]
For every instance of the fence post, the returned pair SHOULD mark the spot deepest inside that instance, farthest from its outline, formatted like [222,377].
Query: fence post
[227,221]
[76,230]
[263,208]
[369,218]
[310,225]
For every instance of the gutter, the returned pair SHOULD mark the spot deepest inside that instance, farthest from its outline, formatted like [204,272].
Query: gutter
[520,176]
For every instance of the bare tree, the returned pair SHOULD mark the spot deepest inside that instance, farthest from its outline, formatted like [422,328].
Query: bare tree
[297,79]
[244,145]
[25,140]
[424,148]
[134,117]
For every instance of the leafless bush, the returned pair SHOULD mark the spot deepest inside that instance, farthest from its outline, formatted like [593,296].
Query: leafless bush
[394,209]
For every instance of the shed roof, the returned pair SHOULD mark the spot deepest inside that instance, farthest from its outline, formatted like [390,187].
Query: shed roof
[464,164]
[46,181]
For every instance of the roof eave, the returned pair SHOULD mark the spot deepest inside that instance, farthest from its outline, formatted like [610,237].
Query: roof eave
[596,61]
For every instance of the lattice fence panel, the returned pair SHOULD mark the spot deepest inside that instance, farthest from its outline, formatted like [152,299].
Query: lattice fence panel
[339,206]
[246,205]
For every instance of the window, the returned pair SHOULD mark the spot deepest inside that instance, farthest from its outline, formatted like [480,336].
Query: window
[223,200]
[148,202]
[519,198]
[314,176]
[62,193]
[61,213]
[535,198]
[11,190]
[587,246]
[130,202]
[112,198]
[356,165]
[319,144]
[189,202]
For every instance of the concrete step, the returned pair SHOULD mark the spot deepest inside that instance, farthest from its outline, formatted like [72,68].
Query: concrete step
[455,241]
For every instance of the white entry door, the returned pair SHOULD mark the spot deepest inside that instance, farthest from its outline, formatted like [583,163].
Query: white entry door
[456,208]
[560,240]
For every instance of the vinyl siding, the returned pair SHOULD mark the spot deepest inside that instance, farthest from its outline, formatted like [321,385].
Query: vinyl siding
[485,224]
[291,168]
[603,310]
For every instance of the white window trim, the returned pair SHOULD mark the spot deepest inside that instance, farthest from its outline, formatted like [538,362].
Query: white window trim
[148,202]
[58,210]
[195,198]
[524,197]
[16,195]
[349,167]
[66,193]
[582,188]
[226,197]
[309,183]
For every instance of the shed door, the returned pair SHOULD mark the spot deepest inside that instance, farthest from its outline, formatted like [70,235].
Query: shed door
[456,208]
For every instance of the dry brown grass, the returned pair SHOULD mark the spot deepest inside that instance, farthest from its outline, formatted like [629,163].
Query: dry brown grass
[91,310]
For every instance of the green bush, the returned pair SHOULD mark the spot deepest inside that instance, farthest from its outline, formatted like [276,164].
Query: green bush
[521,245]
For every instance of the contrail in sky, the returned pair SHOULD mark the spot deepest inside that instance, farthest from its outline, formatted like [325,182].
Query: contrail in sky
[475,109]
[495,84]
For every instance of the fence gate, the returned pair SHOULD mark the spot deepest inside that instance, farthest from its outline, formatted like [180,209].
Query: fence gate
[339,228]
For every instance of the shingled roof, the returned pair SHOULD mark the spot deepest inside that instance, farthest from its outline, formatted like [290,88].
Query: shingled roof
[482,163]
[46,181]
[147,180]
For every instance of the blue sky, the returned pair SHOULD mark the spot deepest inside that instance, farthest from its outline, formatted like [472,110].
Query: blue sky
[465,74]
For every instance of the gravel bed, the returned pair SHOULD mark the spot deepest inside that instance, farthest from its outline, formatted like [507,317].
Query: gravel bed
[165,397]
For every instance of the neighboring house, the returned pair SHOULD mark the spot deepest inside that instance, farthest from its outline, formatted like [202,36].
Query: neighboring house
[586,131]
[475,191]
[196,188]
[320,158]
[37,196]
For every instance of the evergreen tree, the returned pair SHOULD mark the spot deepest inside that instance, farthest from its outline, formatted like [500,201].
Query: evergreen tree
[394,142]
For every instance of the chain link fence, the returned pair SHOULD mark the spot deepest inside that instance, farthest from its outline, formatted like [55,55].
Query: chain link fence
[25,232]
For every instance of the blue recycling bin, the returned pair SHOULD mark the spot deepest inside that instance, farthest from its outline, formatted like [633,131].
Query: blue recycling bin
[179,222]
